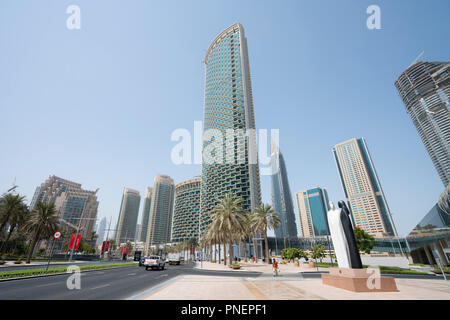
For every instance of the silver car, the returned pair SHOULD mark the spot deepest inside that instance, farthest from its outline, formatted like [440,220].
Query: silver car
[154,262]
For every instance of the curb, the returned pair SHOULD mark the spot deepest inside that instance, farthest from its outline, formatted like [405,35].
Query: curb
[57,274]
[147,292]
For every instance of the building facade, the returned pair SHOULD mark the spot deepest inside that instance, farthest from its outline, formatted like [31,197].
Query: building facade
[425,90]
[161,211]
[186,213]
[312,210]
[362,188]
[129,211]
[281,195]
[145,215]
[231,164]
[71,201]
[101,231]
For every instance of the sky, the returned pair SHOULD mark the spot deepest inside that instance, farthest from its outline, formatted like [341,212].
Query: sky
[97,105]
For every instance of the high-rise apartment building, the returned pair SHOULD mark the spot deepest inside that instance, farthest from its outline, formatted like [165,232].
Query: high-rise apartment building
[362,188]
[129,211]
[145,215]
[187,210]
[71,201]
[161,211]
[425,90]
[312,210]
[228,112]
[101,231]
[281,195]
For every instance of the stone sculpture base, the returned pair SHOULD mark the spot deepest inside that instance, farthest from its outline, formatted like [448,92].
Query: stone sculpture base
[357,280]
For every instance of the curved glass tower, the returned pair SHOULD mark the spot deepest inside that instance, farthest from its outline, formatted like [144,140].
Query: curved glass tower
[425,90]
[228,117]
[186,211]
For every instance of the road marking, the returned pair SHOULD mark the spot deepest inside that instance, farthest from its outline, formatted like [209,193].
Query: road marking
[103,286]
[131,274]
[163,275]
[48,284]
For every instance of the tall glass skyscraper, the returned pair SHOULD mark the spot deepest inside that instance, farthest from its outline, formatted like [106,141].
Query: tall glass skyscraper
[281,195]
[145,215]
[187,210]
[228,109]
[425,90]
[161,210]
[312,209]
[362,188]
[129,211]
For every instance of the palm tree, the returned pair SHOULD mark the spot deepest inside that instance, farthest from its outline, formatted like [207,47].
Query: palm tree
[16,221]
[43,222]
[265,218]
[229,216]
[10,205]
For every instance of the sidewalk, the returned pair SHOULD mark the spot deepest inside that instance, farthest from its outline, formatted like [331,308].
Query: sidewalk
[289,285]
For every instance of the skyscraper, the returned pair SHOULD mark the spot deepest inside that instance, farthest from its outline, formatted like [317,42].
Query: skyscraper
[362,188]
[101,231]
[71,201]
[312,209]
[425,90]
[228,110]
[145,215]
[129,211]
[187,210]
[161,210]
[281,195]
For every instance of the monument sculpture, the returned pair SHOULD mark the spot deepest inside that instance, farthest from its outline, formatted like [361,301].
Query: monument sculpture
[350,274]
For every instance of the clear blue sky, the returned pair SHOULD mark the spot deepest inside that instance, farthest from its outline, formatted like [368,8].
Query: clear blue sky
[98,105]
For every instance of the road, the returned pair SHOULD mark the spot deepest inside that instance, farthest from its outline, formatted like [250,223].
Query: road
[57,264]
[109,284]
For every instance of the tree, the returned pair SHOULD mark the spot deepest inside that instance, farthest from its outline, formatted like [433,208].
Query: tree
[43,222]
[10,206]
[364,241]
[16,221]
[318,252]
[229,216]
[265,218]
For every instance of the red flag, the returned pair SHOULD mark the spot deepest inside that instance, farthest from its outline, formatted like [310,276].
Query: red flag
[78,242]
[103,246]
[121,250]
[107,246]
[72,241]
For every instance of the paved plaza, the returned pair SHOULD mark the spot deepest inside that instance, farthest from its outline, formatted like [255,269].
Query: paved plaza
[291,284]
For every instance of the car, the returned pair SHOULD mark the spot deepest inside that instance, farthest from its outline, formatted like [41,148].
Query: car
[154,262]
[141,261]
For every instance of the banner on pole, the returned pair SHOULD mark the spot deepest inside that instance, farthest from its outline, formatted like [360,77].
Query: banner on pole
[78,242]
[72,242]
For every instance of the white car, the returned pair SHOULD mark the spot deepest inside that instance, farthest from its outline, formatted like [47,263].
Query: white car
[154,262]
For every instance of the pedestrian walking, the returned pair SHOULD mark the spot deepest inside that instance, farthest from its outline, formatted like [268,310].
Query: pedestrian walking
[275,267]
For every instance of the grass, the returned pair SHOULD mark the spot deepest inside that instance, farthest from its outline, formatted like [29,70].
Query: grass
[34,272]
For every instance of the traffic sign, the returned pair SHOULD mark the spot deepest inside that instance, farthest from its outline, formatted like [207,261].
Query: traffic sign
[57,235]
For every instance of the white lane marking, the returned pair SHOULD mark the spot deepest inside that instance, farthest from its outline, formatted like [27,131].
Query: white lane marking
[48,284]
[163,275]
[131,274]
[105,285]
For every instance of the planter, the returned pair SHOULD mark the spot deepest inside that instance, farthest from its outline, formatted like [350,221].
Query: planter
[235,267]
[312,264]
[17,262]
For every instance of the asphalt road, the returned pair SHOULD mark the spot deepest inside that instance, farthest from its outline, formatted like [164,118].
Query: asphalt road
[119,283]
